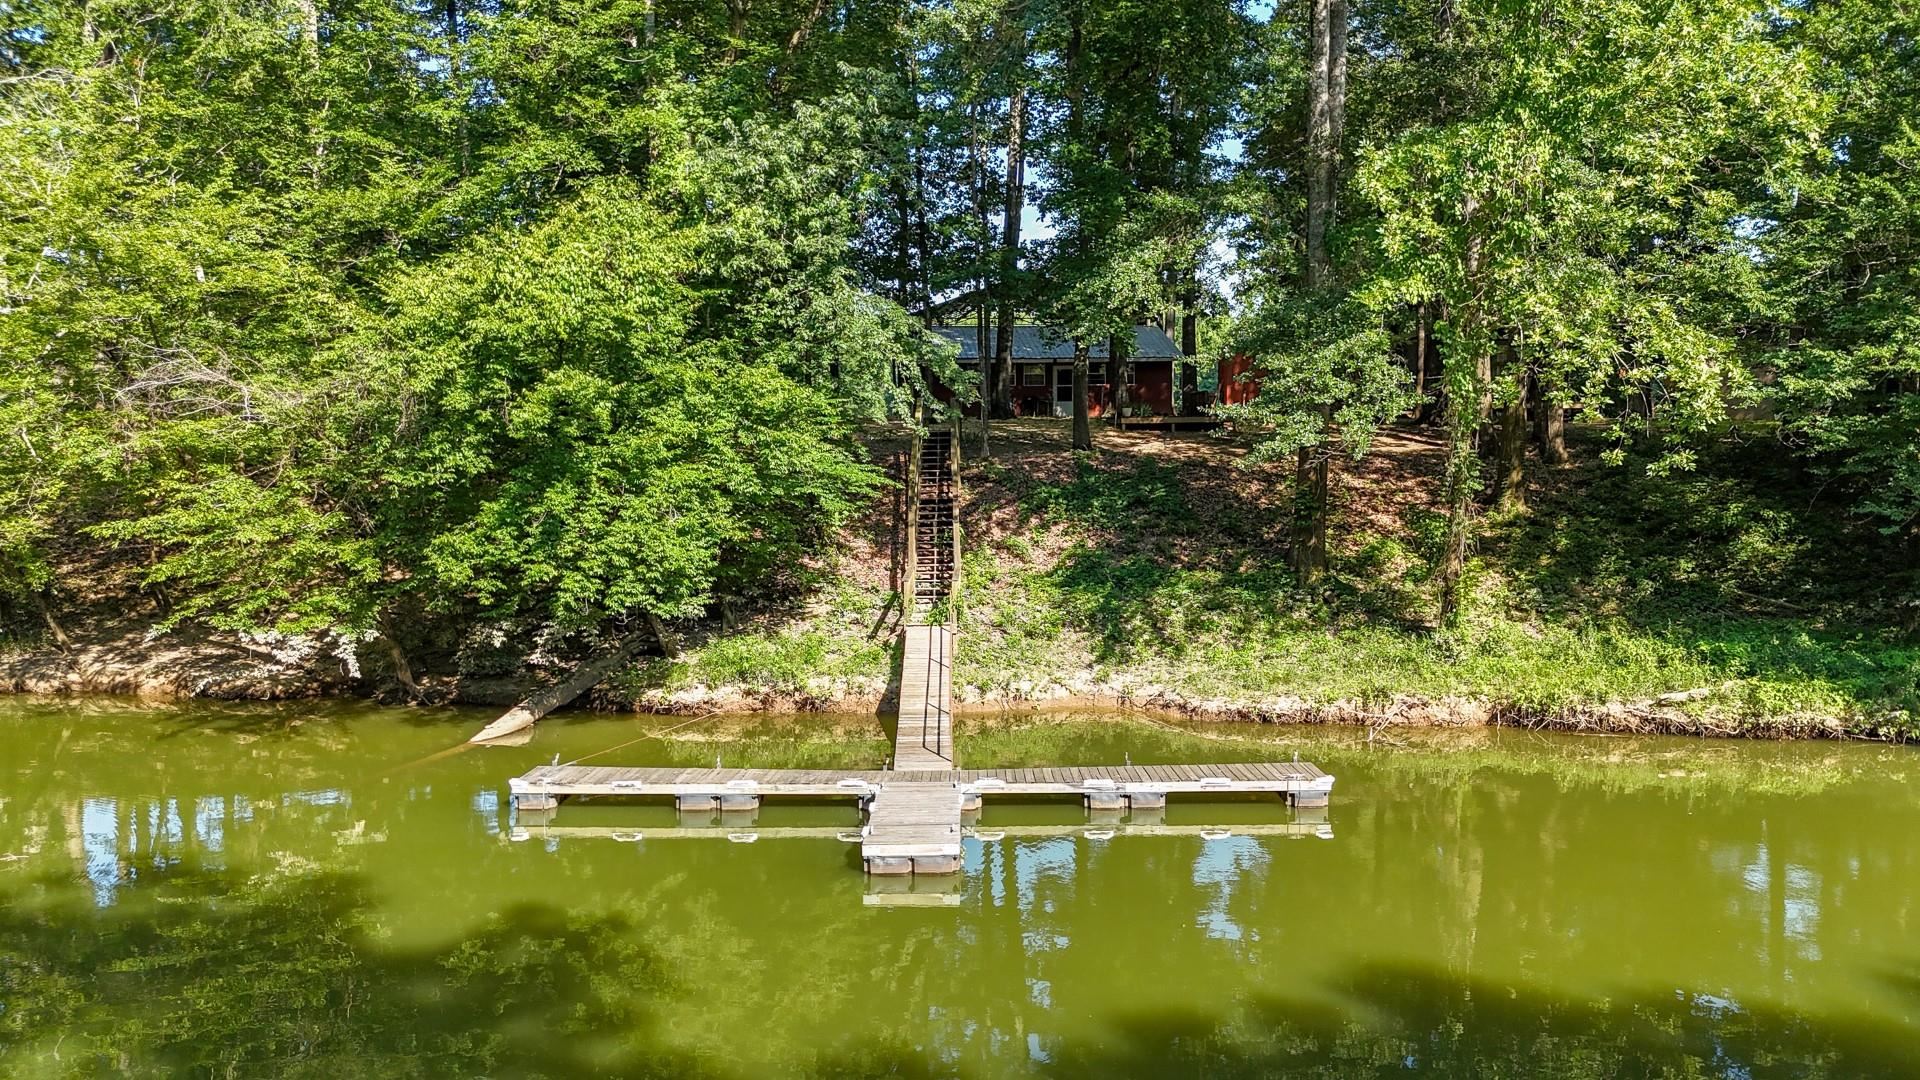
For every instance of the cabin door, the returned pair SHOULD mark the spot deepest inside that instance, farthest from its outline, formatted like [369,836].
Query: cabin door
[1063,390]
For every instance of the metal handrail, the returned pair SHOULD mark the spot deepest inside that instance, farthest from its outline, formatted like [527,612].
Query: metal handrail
[936,648]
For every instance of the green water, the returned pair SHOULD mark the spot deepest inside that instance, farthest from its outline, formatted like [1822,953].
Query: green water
[294,891]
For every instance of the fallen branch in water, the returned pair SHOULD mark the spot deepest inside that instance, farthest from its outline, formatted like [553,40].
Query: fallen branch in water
[538,704]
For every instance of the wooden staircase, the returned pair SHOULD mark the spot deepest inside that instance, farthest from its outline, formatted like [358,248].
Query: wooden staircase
[923,738]
[933,553]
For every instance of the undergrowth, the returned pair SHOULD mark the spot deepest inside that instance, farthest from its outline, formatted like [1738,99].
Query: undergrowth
[1733,593]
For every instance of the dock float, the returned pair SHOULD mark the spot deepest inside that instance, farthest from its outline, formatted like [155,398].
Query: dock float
[916,819]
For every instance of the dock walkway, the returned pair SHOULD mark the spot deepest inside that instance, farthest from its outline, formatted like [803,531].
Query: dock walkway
[915,819]
[924,737]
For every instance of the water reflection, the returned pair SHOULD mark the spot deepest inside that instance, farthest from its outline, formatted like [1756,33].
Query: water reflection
[205,905]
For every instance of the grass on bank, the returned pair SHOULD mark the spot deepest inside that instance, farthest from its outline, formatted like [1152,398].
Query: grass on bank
[1729,586]
[832,639]
[1734,587]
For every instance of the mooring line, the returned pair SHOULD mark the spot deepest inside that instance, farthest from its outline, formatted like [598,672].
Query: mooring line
[643,738]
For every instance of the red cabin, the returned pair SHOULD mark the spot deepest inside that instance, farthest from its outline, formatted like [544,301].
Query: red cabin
[1043,370]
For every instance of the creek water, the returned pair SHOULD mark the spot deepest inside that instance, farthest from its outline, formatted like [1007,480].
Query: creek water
[316,889]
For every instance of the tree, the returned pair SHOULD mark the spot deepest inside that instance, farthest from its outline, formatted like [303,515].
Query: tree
[1842,256]
[327,336]
[1574,200]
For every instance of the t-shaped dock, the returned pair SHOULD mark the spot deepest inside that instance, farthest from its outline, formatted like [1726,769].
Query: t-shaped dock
[915,819]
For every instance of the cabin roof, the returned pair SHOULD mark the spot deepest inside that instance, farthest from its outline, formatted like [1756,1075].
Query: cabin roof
[1045,343]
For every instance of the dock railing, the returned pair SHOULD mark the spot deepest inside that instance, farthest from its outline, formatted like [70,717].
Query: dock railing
[935,717]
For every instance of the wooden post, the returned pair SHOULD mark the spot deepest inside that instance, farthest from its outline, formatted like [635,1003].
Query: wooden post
[953,582]
[911,560]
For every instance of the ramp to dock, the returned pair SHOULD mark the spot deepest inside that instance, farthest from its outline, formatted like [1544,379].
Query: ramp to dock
[924,737]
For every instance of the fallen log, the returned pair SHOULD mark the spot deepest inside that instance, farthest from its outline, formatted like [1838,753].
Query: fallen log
[538,704]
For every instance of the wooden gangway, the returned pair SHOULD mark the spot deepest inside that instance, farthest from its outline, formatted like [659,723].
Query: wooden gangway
[924,737]
[916,819]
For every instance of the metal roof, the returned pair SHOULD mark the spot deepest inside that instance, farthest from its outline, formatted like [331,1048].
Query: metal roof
[1046,343]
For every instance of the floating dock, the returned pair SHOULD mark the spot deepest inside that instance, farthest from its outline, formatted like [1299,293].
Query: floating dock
[916,819]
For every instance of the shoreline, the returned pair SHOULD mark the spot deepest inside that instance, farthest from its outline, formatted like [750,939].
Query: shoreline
[230,673]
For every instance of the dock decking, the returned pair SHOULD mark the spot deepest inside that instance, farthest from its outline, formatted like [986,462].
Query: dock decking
[924,737]
[915,818]
[560,781]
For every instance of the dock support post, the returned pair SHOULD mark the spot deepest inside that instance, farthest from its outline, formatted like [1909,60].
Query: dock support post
[694,802]
[1146,799]
[969,802]
[936,864]
[889,865]
[1106,800]
[739,804]
[538,801]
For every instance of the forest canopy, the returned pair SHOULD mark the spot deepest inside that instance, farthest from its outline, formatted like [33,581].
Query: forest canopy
[324,310]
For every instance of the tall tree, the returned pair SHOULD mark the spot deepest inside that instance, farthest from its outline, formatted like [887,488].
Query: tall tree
[1841,240]
[1571,196]
[1013,203]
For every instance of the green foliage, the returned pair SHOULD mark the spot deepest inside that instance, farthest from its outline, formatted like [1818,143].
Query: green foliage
[1842,251]
[327,314]
[1328,376]
[1623,585]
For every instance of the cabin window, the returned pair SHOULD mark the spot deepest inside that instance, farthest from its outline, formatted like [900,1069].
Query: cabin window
[1033,375]
[1096,374]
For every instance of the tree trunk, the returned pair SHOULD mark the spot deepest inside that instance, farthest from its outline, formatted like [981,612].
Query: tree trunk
[53,625]
[402,670]
[1312,479]
[1336,100]
[1549,424]
[1082,430]
[1511,478]
[536,705]
[986,374]
[1319,139]
[736,28]
[1013,206]
[1467,398]
[1326,113]
[1422,332]
[1190,346]
[1462,484]
[669,641]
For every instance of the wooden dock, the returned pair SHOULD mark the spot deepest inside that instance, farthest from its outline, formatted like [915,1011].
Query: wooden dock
[924,737]
[747,834]
[915,819]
